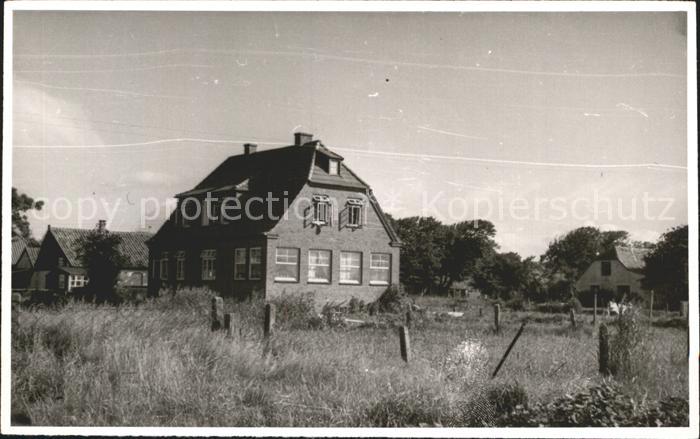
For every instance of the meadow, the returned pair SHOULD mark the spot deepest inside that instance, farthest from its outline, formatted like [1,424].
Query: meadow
[159,364]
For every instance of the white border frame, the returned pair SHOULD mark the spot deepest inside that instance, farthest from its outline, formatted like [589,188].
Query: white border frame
[359,6]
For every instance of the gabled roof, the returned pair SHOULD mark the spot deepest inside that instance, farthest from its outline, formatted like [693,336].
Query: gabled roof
[274,171]
[133,245]
[18,245]
[32,253]
[631,257]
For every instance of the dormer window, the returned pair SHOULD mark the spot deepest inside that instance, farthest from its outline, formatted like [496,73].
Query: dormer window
[322,210]
[332,167]
[354,212]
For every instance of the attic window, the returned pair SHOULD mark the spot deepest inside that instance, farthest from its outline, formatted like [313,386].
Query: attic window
[332,167]
[322,209]
[354,212]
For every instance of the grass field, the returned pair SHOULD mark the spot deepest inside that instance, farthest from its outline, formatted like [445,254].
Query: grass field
[158,364]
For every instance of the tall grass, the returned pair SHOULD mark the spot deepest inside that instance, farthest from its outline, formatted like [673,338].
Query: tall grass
[158,364]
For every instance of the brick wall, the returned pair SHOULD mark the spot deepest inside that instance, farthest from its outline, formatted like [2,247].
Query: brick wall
[299,233]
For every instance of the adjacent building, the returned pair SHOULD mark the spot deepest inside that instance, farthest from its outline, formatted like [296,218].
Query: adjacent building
[619,272]
[288,220]
[24,254]
[58,266]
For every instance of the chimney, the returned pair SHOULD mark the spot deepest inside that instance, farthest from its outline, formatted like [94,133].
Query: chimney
[101,225]
[302,138]
[249,148]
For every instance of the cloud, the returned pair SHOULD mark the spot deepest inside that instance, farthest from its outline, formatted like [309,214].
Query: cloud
[34,121]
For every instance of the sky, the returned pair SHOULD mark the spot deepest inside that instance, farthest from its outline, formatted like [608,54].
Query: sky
[537,122]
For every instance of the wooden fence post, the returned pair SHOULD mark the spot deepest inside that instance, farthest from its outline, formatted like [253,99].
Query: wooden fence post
[228,324]
[409,318]
[481,312]
[269,320]
[603,350]
[572,317]
[497,316]
[651,306]
[510,346]
[405,343]
[595,307]
[684,309]
[217,313]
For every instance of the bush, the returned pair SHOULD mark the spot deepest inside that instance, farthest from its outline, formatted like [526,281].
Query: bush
[295,311]
[507,397]
[605,405]
[552,307]
[394,299]
[516,303]
[626,346]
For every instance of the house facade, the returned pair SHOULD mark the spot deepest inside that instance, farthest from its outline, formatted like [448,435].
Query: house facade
[618,272]
[306,224]
[58,266]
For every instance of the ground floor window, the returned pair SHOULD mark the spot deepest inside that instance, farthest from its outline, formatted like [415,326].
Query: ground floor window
[287,264]
[319,266]
[380,269]
[61,281]
[239,263]
[164,266]
[255,272]
[180,265]
[350,268]
[76,281]
[208,264]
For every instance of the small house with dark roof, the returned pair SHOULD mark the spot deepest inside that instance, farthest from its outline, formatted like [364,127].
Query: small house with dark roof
[24,255]
[288,220]
[58,266]
[619,271]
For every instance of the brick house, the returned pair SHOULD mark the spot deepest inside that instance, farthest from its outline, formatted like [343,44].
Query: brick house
[618,272]
[325,234]
[58,267]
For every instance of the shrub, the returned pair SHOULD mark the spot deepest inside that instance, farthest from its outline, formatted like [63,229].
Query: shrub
[394,299]
[332,315]
[552,307]
[516,303]
[295,311]
[626,349]
[356,306]
[507,397]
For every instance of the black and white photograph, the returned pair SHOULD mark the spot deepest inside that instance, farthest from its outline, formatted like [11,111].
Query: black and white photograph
[428,219]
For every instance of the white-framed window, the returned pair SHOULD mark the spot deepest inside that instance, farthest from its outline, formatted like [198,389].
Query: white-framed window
[319,266]
[180,265]
[208,264]
[351,268]
[322,209]
[287,264]
[240,264]
[61,281]
[164,266]
[255,267]
[380,269]
[355,212]
[76,281]
[333,167]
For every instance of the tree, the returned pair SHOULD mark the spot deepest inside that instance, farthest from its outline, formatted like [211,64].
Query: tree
[465,244]
[422,252]
[21,203]
[666,266]
[99,253]
[503,276]
[568,256]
